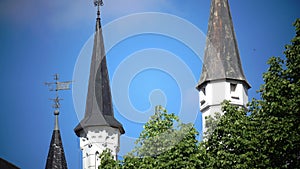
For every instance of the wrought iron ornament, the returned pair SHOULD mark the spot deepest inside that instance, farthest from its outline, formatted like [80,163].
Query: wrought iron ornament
[98,3]
[56,86]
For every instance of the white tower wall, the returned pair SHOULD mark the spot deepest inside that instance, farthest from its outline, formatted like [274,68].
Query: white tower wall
[213,93]
[95,141]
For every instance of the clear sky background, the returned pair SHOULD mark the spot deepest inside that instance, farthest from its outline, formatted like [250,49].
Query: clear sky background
[40,38]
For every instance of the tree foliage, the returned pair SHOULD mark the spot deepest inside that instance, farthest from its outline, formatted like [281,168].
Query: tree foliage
[265,136]
[107,161]
[165,142]
[279,109]
[233,143]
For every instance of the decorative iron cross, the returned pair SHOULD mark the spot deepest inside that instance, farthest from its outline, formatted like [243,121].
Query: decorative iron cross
[98,3]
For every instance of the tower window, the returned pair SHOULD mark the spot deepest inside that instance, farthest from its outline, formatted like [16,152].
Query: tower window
[202,96]
[233,91]
[202,102]
[232,87]
[203,90]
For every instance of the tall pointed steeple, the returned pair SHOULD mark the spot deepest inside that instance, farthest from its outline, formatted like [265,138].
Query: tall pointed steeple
[56,155]
[98,130]
[222,75]
[99,110]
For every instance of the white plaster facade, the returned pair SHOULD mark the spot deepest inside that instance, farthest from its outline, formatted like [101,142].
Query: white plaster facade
[95,141]
[213,93]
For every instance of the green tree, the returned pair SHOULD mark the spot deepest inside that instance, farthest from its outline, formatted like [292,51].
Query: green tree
[159,134]
[211,124]
[107,161]
[165,142]
[233,143]
[279,110]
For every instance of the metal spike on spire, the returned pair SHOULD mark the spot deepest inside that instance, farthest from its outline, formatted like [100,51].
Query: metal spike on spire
[98,3]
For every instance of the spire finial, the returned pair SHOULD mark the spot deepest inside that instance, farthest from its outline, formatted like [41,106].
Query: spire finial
[98,3]
[56,86]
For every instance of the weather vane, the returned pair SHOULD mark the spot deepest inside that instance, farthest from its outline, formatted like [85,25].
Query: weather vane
[56,86]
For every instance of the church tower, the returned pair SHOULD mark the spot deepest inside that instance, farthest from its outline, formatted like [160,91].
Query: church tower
[98,130]
[222,75]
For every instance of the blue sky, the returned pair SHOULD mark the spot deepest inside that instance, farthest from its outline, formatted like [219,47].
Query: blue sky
[40,38]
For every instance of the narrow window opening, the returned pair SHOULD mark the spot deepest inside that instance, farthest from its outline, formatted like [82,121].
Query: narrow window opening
[233,91]
[232,87]
[203,91]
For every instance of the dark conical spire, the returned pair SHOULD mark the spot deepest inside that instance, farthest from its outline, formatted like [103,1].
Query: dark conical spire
[56,157]
[99,110]
[221,58]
